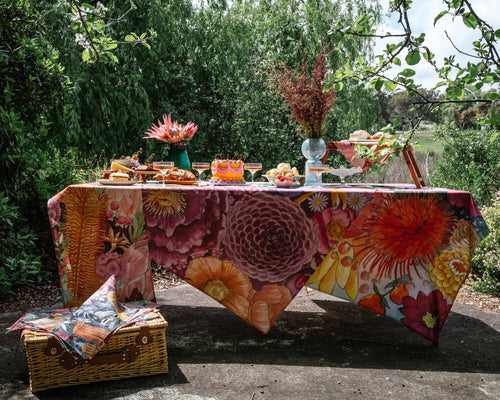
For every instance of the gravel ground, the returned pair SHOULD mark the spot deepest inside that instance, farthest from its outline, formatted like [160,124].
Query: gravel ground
[47,295]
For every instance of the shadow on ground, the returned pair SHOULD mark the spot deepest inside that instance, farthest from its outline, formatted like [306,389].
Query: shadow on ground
[316,335]
[341,334]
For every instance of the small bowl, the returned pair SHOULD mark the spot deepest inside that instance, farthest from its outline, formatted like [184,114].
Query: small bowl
[284,184]
[274,178]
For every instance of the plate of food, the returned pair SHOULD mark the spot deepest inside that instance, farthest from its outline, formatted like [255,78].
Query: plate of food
[179,181]
[109,182]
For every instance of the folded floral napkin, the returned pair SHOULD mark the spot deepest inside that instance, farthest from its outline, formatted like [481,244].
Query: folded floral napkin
[83,331]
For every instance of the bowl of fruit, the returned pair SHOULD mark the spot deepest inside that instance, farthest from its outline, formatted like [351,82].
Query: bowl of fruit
[283,181]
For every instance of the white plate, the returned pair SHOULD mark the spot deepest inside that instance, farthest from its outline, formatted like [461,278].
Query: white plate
[179,182]
[108,182]
[173,182]
[227,184]
[286,184]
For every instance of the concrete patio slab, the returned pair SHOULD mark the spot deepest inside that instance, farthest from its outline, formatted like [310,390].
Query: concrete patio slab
[320,348]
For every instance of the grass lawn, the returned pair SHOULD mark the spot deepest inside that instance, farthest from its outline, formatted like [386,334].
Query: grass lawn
[426,142]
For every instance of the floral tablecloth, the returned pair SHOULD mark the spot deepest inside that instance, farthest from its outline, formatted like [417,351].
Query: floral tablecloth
[399,251]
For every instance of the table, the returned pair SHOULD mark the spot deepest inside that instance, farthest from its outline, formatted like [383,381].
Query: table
[399,251]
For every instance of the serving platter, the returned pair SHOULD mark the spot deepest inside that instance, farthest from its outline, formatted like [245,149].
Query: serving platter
[178,182]
[108,182]
[227,184]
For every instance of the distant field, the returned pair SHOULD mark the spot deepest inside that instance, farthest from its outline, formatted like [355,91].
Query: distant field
[428,148]
[427,142]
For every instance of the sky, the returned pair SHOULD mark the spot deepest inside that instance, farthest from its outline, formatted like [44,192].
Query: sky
[422,17]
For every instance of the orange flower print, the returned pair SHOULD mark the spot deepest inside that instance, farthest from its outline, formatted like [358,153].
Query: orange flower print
[397,294]
[222,281]
[372,302]
[449,272]
[268,304]
[405,231]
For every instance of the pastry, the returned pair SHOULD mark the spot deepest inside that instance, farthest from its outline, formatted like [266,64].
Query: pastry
[176,174]
[283,169]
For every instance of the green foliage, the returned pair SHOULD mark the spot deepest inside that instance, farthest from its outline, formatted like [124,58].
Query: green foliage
[479,70]
[469,162]
[486,259]
[19,263]
[31,82]
[407,107]
[92,25]
[200,68]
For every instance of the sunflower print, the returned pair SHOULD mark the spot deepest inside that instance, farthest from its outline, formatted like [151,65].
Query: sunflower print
[165,203]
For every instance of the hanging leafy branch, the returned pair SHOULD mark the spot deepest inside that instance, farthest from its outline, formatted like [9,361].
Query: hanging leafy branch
[482,68]
[91,25]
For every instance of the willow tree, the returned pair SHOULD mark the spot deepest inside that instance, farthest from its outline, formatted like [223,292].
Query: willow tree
[198,66]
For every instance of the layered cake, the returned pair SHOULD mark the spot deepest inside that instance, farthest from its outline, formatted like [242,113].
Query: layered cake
[227,172]
[118,176]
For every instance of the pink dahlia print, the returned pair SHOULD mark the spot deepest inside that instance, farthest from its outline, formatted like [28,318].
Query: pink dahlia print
[269,237]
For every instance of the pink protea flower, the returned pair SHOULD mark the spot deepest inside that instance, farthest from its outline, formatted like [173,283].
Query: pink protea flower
[171,132]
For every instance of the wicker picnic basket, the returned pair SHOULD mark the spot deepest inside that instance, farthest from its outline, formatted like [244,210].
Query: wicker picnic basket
[136,350]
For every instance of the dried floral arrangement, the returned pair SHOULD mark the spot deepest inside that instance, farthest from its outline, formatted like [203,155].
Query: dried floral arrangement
[303,90]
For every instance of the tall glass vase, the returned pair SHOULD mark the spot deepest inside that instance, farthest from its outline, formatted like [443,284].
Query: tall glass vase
[179,155]
[313,150]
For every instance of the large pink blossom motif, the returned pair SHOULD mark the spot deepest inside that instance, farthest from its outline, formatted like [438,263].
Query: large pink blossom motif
[183,224]
[269,237]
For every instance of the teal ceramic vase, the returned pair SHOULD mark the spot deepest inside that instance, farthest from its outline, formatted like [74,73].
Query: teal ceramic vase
[179,155]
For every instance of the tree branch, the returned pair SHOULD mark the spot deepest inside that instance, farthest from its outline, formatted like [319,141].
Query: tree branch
[84,23]
[460,51]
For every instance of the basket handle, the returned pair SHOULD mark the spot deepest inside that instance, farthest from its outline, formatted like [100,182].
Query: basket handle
[126,355]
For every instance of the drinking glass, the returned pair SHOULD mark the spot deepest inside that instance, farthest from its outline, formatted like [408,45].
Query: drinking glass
[319,169]
[163,166]
[252,168]
[200,167]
